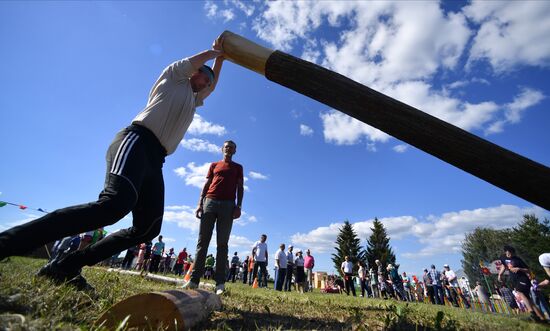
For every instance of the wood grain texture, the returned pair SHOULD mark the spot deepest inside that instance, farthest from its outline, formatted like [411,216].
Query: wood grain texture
[245,52]
[505,169]
[168,310]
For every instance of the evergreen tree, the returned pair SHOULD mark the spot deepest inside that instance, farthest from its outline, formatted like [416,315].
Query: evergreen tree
[378,246]
[347,243]
[482,245]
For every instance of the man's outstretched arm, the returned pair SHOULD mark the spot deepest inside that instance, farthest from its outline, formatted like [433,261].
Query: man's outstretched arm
[218,62]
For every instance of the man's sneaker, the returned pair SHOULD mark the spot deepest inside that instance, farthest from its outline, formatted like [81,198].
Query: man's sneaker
[74,278]
[220,288]
[57,274]
[189,285]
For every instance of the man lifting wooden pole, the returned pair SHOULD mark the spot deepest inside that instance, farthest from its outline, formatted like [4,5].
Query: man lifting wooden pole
[505,169]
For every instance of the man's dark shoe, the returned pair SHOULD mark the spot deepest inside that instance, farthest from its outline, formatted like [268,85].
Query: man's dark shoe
[59,275]
[55,273]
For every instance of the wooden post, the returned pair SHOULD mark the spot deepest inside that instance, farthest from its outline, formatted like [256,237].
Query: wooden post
[168,310]
[505,169]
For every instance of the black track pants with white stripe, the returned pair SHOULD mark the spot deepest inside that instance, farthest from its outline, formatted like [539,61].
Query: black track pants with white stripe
[133,183]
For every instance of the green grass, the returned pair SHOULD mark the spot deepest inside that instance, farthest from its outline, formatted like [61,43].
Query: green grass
[47,306]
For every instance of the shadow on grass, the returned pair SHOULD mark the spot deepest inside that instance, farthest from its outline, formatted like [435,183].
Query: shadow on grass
[245,320]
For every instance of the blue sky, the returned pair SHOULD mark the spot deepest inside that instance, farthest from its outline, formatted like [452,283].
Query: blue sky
[74,73]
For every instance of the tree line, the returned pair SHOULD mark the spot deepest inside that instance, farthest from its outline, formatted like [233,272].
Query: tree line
[531,237]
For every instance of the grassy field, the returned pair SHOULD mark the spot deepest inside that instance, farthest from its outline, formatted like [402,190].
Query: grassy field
[47,306]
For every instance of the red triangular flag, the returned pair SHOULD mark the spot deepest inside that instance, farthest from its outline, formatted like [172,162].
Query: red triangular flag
[22,207]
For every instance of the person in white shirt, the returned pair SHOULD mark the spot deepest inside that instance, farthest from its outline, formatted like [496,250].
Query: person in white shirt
[280,264]
[347,272]
[259,252]
[454,289]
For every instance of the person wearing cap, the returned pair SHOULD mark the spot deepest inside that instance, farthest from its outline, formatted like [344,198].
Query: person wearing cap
[300,273]
[289,269]
[454,287]
[519,277]
[133,181]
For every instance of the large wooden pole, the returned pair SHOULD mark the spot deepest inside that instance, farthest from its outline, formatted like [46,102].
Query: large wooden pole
[505,169]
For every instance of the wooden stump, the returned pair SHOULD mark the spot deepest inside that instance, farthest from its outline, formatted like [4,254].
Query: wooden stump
[168,310]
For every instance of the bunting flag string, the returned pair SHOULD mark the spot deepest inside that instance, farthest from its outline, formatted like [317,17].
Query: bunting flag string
[22,207]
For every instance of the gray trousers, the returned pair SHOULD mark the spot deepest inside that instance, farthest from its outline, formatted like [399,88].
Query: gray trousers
[219,213]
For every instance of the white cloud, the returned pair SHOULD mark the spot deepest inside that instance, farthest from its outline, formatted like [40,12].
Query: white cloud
[257,175]
[246,7]
[199,145]
[168,240]
[239,241]
[245,219]
[511,33]
[211,9]
[183,216]
[342,129]
[319,240]
[398,48]
[401,148]
[527,98]
[200,126]
[514,110]
[194,175]
[436,234]
[305,130]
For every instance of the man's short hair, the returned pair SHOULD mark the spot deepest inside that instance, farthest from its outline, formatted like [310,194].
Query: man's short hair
[208,71]
[230,142]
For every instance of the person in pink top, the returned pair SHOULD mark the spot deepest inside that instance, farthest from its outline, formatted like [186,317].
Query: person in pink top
[309,263]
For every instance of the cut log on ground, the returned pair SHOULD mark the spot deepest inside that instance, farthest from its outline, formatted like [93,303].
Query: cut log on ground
[168,310]
[505,169]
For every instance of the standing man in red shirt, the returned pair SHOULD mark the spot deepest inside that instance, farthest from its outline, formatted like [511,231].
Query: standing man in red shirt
[309,263]
[217,206]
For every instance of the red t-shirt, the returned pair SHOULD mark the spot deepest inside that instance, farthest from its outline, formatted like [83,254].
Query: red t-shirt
[182,256]
[225,176]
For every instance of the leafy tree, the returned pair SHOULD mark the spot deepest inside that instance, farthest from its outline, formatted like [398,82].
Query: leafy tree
[530,239]
[347,243]
[482,244]
[378,246]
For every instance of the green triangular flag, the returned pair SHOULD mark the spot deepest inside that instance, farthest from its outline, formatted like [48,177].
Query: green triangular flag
[2,203]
